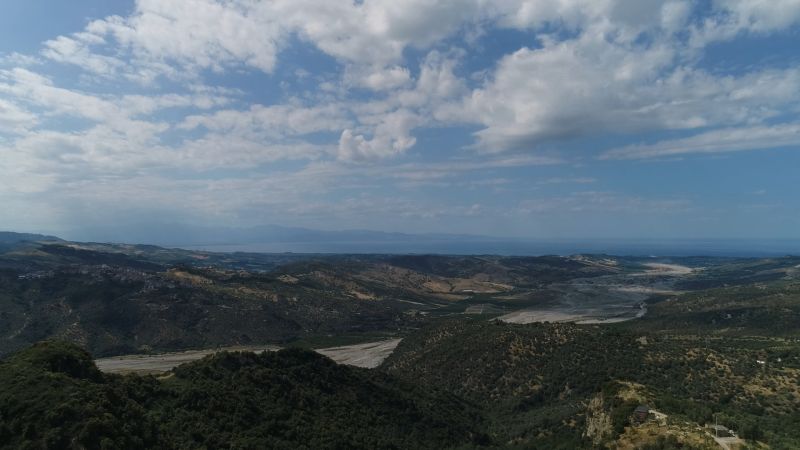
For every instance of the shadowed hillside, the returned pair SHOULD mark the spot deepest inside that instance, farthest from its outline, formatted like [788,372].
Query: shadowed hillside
[52,396]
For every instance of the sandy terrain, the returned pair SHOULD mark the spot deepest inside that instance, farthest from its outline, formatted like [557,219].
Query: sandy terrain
[532,315]
[667,269]
[648,290]
[595,321]
[367,355]
[605,299]
[165,361]
[483,308]
[580,317]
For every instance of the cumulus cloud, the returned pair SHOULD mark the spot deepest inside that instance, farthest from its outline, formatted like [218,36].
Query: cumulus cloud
[391,135]
[593,86]
[204,34]
[624,70]
[379,79]
[210,34]
[386,126]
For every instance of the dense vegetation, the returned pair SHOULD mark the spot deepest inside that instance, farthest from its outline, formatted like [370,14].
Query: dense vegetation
[538,381]
[760,309]
[740,272]
[52,396]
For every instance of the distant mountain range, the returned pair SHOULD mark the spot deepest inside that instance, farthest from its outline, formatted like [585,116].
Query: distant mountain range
[281,239]
[183,235]
[7,237]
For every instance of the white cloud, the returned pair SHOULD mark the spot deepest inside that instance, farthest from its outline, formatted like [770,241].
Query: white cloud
[39,90]
[391,135]
[14,119]
[584,68]
[437,87]
[259,122]
[385,126]
[375,32]
[379,79]
[77,50]
[735,17]
[15,59]
[568,180]
[205,34]
[212,34]
[115,140]
[605,79]
[566,89]
[762,15]
[226,151]
[716,141]
[591,86]
[601,202]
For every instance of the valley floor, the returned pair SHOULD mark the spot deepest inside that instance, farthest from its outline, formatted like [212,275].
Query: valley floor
[604,299]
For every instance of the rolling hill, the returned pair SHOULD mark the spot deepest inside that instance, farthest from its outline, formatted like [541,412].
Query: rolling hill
[116,299]
[52,396]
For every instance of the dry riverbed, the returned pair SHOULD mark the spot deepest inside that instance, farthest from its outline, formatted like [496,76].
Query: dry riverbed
[370,355]
[605,299]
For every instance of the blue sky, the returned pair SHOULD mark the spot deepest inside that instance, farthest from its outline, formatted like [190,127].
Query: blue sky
[525,118]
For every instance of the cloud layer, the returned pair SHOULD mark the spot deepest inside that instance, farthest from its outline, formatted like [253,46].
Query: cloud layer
[230,108]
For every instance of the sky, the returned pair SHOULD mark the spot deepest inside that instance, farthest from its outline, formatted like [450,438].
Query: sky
[514,118]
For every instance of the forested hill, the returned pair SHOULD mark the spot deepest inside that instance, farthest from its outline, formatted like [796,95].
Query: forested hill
[52,396]
[571,386]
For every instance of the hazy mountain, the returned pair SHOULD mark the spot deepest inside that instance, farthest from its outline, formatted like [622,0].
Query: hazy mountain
[191,235]
[281,239]
[9,237]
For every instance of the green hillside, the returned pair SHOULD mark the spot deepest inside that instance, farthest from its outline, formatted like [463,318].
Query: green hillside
[538,382]
[52,396]
[760,309]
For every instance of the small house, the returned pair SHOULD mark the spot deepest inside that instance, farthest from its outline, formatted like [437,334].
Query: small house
[640,413]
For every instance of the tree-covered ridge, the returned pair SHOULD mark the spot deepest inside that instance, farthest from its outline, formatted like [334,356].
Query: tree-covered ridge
[52,396]
[758,309]
[538,381]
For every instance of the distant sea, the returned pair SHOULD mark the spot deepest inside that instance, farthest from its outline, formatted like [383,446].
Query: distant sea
[698,247]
